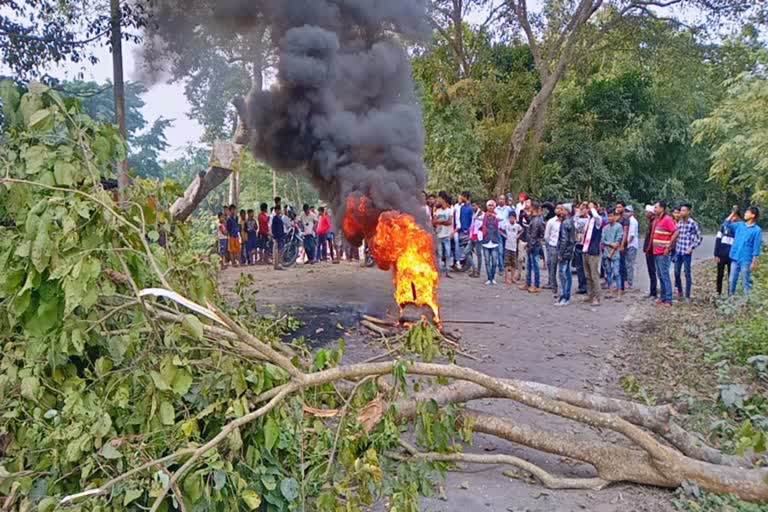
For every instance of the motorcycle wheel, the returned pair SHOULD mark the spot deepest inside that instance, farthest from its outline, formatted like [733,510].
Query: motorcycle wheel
[290,255]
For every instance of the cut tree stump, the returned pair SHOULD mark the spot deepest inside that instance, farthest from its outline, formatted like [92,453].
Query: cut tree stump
[226,158]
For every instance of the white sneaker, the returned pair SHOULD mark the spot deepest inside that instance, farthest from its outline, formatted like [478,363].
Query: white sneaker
[494,282]
[565,302]
[488,282]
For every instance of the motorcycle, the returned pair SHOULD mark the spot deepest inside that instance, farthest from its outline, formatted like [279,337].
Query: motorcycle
[292,246]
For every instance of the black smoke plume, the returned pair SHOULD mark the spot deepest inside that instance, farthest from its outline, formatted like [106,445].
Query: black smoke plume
[343,109]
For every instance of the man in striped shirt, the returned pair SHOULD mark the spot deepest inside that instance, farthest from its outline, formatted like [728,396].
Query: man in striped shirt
[688,239]
[664,239]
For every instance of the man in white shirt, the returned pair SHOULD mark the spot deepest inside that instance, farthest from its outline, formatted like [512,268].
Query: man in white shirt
[309,228]
[633,245]
[551,236]
[502,213]
[443,222]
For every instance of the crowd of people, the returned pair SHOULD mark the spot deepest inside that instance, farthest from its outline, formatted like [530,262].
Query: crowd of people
[245,238]
[600,244]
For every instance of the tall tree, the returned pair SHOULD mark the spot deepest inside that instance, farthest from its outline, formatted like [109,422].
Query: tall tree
[566,31]
[218,63]
[146,140]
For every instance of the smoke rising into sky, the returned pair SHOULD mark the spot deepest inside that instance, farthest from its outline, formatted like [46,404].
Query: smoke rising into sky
[343,108]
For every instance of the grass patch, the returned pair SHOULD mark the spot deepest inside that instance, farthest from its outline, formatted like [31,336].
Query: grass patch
[710,358]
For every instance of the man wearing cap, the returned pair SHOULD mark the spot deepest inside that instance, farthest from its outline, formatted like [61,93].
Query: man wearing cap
[650,261]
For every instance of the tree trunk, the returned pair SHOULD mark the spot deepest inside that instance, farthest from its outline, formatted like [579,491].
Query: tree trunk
[534,117]
[226,159]
[123,180]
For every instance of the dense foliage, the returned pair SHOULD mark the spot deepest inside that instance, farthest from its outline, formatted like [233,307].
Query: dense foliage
[622,125]
[92,385]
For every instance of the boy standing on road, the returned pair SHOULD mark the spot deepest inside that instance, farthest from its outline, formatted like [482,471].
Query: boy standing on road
[552,235]
[746,248]
[566,243]
[664,239]
[512,232]
[443,222]
[262,247]
[612,238]
[723,244]
[688,239]
[278,235]
[633,245]
[591,250]
[234,245]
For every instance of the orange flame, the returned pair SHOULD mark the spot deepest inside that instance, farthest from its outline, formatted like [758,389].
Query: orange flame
[396,241]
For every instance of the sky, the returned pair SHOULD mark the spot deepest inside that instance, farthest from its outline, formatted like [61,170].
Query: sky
[163,99]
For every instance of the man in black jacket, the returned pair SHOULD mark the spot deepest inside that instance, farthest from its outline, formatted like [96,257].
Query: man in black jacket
[723,243]
[535,246]
[566,243]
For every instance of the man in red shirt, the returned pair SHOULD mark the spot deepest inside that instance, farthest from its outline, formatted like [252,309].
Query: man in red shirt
[663,240]
[323,228]
[262,246]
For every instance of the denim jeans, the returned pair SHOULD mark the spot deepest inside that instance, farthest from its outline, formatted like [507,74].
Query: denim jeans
[737,268]
[683,260]
[578,262]
[622,270]
[475,249]
[444,256]
[630,256]
[566,279]
[490,262]
[533,267]
[321,253]
[613,272]
[309,247]
[552,266]
[650,262]
[500,253]
[665,282]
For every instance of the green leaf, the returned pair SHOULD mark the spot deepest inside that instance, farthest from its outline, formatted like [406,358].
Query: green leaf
[40,119]
[271,432]
[132,495]
[41,248]
[38,88]
[110,452]
[47,504]
[252,499]
[289,489]
[30,387]
[64,173]
[193,327]
[36,158]
[159,381]
[153,236]
[167,414]
[181,382]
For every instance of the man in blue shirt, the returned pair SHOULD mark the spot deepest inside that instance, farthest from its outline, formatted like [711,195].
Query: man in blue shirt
[278,234]
[745,249]
[465,222]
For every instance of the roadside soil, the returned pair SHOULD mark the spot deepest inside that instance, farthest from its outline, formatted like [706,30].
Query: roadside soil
[579,347]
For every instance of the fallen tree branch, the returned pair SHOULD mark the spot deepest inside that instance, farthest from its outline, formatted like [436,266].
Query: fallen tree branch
[547,479]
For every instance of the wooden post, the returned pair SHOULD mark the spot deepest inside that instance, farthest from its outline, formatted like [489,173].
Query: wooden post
[116,40]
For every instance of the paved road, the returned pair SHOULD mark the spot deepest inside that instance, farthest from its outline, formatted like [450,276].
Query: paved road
[529,339]
[705,251]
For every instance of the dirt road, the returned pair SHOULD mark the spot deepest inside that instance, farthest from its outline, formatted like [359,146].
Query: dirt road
[529,339]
